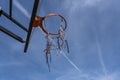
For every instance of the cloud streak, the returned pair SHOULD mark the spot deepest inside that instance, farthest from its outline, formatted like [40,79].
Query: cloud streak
[101,58]
[21,8]
[70,61]
[100,54]
[72,7]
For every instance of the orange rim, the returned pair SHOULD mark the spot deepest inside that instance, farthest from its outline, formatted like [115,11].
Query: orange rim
[39,22]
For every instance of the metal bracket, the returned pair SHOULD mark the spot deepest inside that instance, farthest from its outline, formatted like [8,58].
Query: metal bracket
[9,33]
[14,21]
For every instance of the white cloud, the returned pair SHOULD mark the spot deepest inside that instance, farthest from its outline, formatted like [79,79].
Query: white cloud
[75,75]
[78,4]
[21,8]
[113,76]
[90,2]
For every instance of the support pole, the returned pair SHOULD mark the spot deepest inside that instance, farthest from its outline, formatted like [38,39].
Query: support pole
[0,11]
[10,8]
[34,11]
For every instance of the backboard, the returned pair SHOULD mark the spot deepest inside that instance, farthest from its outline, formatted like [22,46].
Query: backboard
[9,14]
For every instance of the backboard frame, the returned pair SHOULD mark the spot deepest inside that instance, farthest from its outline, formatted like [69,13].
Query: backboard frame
[34,11]
[29,30]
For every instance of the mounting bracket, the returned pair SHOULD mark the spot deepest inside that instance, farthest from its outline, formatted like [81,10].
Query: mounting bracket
[11,34]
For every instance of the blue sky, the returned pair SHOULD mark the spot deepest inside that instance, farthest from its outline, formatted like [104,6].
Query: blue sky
[93,34]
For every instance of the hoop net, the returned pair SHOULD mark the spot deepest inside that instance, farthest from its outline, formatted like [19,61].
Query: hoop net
[54,40]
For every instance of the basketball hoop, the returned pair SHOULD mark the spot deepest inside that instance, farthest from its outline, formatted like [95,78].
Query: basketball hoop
[39,22]
[58,37]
